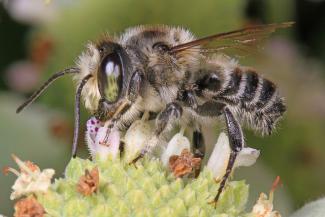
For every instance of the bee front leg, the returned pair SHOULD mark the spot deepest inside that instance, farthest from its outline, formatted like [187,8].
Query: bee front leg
[236,141]
[112,118]
[164,120]
[135,85]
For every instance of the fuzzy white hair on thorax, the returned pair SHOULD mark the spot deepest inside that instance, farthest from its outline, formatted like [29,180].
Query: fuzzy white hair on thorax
[177,35]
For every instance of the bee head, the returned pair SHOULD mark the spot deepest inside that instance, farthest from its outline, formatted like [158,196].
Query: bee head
[110,67]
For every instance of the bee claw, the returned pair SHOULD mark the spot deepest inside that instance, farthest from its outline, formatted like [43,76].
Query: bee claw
[213,203]
[135,160]
[133,163]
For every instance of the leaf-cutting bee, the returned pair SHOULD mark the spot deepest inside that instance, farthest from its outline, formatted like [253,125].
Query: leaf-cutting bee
[167,71]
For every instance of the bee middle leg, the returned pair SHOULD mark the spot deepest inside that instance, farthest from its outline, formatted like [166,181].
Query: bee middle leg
[165,119]
[198,147]
[198,143]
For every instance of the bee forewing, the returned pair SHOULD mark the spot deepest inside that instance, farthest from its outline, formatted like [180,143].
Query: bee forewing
[243,40]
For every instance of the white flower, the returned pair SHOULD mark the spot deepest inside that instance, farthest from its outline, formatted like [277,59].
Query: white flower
[264,207]
[219,158]
[32,12]
[30,179]
[136,137]
[175,147]
[104,142]
[101,140]
[247,157]
[264,204]
[314,209]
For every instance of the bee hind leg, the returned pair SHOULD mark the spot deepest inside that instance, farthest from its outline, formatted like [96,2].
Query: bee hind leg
[164,120]
[236,142]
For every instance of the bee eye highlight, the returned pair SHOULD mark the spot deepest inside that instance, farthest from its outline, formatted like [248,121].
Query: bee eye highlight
[161,47]
[110,77]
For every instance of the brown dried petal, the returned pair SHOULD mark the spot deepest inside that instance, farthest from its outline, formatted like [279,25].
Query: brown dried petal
[172,160]
[89,182]
[182,170]
[183,164]
[29,207]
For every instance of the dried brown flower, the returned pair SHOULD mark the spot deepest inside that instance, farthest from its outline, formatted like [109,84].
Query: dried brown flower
[30,178]
[89,182]
[184,164]
[29,207]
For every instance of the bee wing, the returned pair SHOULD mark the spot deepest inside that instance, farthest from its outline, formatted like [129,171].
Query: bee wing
[246,40]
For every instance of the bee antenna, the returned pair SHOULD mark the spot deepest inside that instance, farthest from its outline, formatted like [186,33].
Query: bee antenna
[77,115]
[37,93]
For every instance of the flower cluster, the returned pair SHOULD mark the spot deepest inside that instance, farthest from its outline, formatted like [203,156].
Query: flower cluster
[166,184]
[104,142]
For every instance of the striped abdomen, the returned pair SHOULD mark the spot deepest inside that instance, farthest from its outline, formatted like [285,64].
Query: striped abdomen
[253,98]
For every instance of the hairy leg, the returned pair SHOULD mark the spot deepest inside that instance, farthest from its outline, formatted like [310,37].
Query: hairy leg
[236,142]
[234,131]
[166,118]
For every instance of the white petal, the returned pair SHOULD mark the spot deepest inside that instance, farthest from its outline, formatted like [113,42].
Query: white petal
[26,183]
[92,126]
[247,157]
[175,146]
[136,138]
[218,160]
[111,147]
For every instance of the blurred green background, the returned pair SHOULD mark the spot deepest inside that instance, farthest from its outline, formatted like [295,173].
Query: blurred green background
[41,37]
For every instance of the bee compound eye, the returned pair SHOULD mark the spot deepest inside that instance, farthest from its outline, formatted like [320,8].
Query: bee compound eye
[161,47]
[110,77]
